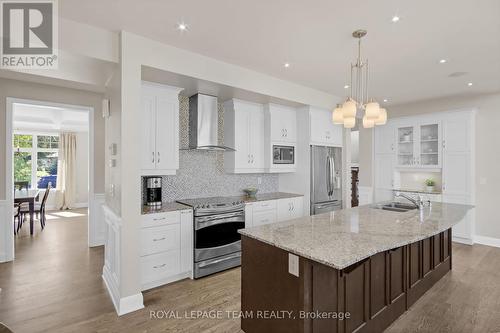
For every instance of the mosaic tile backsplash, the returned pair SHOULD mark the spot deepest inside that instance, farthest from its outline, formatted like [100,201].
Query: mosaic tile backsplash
[201,173]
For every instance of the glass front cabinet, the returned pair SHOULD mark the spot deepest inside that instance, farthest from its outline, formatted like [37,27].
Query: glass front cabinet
[419,146]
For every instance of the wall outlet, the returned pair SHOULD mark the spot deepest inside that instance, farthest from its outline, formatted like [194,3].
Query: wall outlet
[259,180]
[293,264]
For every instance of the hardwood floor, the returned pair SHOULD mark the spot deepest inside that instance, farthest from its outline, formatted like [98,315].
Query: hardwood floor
[55,285]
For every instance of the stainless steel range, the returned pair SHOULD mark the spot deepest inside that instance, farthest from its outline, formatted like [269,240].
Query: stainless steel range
[217,243]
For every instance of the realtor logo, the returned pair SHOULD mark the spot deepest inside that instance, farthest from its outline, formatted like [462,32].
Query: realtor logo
[29,34]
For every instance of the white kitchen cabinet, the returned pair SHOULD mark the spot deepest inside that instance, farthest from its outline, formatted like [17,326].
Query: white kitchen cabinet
[271,211]
[159,129]
[458,177]
[264,217]
[322,130]
[384,180]
[282,123]
[166,248]
[290,208]
[418,145]
[280,131]
[244,130]
[384,139]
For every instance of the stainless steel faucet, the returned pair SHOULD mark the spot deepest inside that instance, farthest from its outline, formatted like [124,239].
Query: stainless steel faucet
[418,203]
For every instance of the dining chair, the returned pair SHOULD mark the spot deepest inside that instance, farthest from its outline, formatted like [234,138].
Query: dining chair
[17,215]
[39,209]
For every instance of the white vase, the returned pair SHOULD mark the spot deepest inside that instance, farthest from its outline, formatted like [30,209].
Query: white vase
[430,188]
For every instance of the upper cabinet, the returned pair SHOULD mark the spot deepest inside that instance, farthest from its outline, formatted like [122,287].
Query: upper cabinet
[244,130]
[159,129]
[280,140]
[418,145]
[323,131]
[281,122]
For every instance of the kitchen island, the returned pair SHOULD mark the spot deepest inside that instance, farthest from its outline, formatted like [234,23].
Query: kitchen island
[353,270]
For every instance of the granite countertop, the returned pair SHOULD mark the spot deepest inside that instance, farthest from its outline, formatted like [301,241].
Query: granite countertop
[342,238]
[416,191]
[270,196]
[165,207]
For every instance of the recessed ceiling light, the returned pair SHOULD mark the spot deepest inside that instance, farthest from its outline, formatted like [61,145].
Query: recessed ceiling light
[182,26]
[443,61]
[395,18]
[386,100]
[346,86]
[286,64]
[469,84]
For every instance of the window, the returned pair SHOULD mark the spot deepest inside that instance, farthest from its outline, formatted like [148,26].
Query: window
[35,159]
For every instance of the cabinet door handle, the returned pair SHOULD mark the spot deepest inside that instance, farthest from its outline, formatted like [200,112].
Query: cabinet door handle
[160,266]
[286,132]
[153,157]
[159,219]
[293,207]
[444,144]
[158,239]
[248,158]
[158,157]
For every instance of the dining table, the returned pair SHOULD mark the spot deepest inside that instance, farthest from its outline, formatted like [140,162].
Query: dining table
[30,197]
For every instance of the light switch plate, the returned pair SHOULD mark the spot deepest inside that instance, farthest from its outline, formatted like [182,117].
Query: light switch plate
[293,264]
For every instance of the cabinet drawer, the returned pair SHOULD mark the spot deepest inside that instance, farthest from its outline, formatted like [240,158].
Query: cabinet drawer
[160,239]
[264,217]
[159,266]
[264,205]
[152,220]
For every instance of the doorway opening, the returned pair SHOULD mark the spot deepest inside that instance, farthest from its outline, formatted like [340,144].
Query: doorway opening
[49,180]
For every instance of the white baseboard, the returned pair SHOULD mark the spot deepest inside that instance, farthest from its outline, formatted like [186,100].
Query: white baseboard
[462,240]
[490,241]
[123,305]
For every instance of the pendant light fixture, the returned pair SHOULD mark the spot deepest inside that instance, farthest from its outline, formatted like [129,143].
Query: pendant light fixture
[358,98]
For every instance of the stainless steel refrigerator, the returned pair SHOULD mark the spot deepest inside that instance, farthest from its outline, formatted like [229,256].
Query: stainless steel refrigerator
[326,179]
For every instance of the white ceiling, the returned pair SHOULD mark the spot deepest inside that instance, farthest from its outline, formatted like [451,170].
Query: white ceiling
[315,38]
[48,118]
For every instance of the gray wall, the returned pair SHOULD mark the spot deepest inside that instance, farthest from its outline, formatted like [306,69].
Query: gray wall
[201,173]
[48,93]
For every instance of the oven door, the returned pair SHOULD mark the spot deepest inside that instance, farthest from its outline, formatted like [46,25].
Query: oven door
[283,154]
[217,235]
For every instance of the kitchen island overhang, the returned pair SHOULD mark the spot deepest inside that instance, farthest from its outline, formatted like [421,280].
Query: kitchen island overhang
[374,278]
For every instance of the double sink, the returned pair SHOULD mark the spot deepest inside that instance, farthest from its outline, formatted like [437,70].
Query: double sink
[396,207]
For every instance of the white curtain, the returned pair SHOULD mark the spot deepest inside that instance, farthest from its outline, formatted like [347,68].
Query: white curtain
[66,175]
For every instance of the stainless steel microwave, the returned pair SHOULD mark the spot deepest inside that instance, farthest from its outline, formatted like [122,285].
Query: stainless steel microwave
[283,154]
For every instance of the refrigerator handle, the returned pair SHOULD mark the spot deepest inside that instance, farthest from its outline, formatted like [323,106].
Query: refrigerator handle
[328,176]
[332,174]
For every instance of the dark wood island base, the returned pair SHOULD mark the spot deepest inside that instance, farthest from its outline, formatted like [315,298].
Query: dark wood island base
[374,292]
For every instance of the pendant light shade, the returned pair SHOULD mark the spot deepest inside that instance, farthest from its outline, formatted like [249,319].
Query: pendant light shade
[337,115]
[382,118]
[349,109]
[372,110]
[367,122]
[349,122]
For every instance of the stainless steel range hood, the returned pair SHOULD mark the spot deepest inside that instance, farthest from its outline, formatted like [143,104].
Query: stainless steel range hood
[203,123]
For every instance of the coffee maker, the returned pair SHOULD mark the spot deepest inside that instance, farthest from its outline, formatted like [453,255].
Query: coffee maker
[153,192]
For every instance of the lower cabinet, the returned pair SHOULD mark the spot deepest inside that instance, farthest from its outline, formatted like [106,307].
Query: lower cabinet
[271,211]
[166,248]
[290,208]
